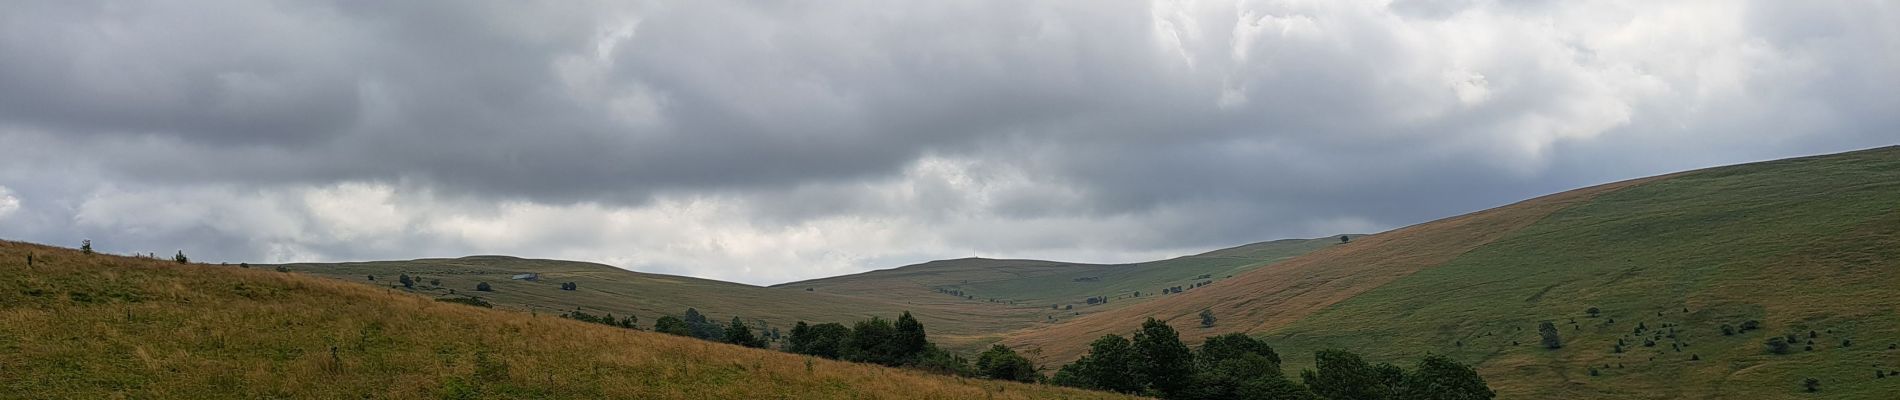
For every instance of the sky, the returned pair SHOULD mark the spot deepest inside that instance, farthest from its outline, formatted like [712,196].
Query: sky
[767,142]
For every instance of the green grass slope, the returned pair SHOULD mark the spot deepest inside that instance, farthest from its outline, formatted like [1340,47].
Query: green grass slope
[1802,245]
[98,326]
[1040,284]
[1807,246]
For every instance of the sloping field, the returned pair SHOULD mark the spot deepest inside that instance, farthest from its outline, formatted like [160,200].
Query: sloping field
[98,326]
[1807,247]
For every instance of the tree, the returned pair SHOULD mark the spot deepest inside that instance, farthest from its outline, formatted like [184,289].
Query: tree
[1344,239]
[823,340]
[484,287]
[1593,311]
[1440,378]
[406,281]
[1811,384]
[1163,362]
[1207,318]
[435,282]
[800,340]
[737,333]
[1342,375]
[1109,366]
[1234,345]
[1778,345]
[1548,331]
[701,327]
[180,258]
[1728,330]
[85,247]
[672,326]
[999,362]
[872,341]
[1237,366]
[910,341]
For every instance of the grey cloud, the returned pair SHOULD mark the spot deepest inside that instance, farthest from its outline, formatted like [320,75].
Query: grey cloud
[1120,129]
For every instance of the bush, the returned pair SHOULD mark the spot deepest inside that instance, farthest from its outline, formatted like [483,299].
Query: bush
[1750,325]
[85,247]
[999,362]
[1778,345]
[1728,330]
[1593,311]
[484,287]
[737,333]
[1811,384]
[471,300]
[180,258]
[671,325]
[1548,331]
[1207,318]
[406,281]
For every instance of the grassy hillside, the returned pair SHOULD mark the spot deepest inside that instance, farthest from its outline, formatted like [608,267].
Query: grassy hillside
[1009,295]
[1036,285]
[98,326]
[1801,245]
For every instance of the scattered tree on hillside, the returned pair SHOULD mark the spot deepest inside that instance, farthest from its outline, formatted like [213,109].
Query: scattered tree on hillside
[281,268]
[1162,359]
[1207,318]
[1811,384]
[570,286]
[435,282]
[1750,325]
[180,258]
[1779,345]
[737,333]
[372,277]
[1344,239]
[85,247]
[1002,363]
[1593,311]
[1551,339]
[406,281]
[909,339]
[1728,330]
[671,325]
[484,287]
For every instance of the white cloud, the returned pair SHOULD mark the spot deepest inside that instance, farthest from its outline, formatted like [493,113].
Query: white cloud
[8,203]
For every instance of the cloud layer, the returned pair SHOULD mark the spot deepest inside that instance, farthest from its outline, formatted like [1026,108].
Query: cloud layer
[767,142]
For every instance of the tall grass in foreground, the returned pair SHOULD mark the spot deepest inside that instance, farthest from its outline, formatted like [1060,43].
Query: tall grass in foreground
[101,326]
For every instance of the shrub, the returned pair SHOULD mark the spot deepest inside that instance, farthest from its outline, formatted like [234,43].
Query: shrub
[1811,384]
[737,333]
[1548,332]
[85,247]
[1750,325]
[180,258]
[1593,311]
[406,281]
[281,268]
[484,287]
[999,362]
[471,300]
[1778,345]
[1207,318]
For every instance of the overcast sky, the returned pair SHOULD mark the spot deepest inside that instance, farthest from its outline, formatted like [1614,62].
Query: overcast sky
[775,141]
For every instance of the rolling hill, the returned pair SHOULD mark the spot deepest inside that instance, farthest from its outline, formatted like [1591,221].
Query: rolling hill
[1004,295]
[1809,248]
[90,326]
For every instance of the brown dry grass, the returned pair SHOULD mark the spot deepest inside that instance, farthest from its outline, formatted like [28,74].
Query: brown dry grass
[100,326]
[1278,294]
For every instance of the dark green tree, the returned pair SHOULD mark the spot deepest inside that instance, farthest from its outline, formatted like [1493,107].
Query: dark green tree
[701,327]
[1109,365]
[999,362]
[672,326]
[1551,339]
[1342,375]
[827,340]
[1207,318]
[872,341]
[482,287]
[180,258]
[1440,378]
[1242,376]
[1233,345]
[406,281]
[1164,364]
[910,341]
[739,334]
[85,247]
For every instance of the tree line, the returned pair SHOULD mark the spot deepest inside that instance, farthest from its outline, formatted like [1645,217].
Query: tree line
[1236,366]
